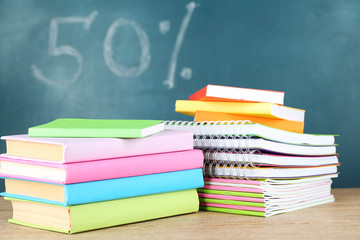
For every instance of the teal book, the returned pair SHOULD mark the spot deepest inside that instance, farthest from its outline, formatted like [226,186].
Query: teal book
[104,190]
[97,128]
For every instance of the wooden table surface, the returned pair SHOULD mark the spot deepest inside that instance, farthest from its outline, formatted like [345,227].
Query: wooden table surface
[338,220]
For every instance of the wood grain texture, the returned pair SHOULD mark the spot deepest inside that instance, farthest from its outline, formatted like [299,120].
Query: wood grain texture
[338,220]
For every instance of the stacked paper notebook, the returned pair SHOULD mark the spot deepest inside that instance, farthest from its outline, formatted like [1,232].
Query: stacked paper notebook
[58,180]
[258,161]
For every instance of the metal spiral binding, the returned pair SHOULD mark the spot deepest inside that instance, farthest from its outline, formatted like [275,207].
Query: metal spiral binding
[207,135]
[222,128]
[206,161]
[234,160]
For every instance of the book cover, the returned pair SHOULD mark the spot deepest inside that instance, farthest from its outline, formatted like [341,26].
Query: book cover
[104,190]
[85,217]
[68,150]
[101,169]
[98,128]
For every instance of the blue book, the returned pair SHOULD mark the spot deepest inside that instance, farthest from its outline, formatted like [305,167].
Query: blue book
[104,190]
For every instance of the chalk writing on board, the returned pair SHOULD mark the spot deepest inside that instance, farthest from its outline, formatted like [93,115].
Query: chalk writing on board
[164,26]
[117,69]
[186,73]
[170,81]
[55,50]
[121,70]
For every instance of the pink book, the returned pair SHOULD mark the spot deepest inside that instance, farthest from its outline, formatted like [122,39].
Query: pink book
[70,150]
[247,186]
[101,169]
[234,189]
[235,181]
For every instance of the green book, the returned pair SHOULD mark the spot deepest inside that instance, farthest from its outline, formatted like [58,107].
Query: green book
[231,202]
[99,128]
[84,217]
[234,211]
[231,193]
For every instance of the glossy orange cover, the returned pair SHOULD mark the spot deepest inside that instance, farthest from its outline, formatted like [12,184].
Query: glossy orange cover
[287,125]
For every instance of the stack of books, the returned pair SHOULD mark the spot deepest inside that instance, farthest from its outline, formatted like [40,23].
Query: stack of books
[74,175]
[258,161]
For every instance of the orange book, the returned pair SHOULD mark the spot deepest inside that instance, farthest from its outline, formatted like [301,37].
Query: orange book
[287,125]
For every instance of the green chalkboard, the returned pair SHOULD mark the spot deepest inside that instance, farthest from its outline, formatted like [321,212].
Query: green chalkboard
[134,58]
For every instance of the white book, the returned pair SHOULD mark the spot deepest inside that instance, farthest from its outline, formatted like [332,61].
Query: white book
[225,93]
[263,145]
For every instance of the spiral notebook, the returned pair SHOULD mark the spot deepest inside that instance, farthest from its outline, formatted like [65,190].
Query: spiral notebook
[248,129]
[225,170]
[268,159]
[263,145]
[231,150]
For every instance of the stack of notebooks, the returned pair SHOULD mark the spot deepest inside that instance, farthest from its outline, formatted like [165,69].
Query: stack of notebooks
[258,161]
[74,175]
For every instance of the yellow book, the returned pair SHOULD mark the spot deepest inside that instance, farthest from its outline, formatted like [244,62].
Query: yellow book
[268,110]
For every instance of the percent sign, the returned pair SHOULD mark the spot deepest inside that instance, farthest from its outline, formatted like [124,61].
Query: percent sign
[118,69]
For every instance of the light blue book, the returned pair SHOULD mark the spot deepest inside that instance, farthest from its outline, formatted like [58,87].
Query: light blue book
[96,191]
